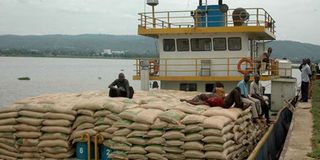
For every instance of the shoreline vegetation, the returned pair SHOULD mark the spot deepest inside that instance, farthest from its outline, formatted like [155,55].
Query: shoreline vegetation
[84,57]
[110,57]
[316,120]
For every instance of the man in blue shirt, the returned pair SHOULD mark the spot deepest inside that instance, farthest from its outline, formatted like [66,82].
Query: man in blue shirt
[243,85]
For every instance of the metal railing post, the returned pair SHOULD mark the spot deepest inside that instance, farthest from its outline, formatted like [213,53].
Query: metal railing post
[166,67]
[196,19]
[270,29]
[226,19]
[273,26]
[87,136]
[258,17]
[265,19]
[97,139]
[196,67]
[137,66]
[169,25]
[145,21]
[228,67]
[153,18]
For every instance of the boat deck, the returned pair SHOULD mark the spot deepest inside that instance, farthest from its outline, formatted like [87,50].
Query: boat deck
[298,142]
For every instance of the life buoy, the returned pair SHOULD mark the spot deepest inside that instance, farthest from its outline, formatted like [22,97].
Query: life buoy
[247,70]
[154,67]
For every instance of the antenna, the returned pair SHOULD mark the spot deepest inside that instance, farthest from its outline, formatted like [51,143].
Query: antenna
[145,6]
[153,3]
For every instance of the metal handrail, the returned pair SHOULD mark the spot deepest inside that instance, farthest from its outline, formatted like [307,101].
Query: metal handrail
[170,19]
[196,66]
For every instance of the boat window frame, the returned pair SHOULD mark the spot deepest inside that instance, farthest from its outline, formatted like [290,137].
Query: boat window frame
[192,47]
[229,44]
[225,44]
[171,49]
[178,44]
[188,87]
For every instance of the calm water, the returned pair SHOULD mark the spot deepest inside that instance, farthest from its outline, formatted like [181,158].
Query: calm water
[52,75]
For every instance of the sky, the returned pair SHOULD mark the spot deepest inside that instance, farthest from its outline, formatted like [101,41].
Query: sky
[296,20]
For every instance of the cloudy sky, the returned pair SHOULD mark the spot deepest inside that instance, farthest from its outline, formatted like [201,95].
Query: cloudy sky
[297,20]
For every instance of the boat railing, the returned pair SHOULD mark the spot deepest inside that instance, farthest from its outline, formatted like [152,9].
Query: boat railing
[219,67]
[198,18]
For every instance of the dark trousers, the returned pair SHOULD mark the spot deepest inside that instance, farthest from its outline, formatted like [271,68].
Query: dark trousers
[115,92]
[265,109]
[233,97]
[304,91]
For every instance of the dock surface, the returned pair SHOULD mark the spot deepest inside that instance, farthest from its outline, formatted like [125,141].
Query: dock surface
[298,142]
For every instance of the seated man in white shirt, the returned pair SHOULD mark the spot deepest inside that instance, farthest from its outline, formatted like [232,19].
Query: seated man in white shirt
[245,98]
[256,92]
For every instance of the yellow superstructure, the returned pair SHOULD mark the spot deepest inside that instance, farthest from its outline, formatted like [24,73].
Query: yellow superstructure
[198,47]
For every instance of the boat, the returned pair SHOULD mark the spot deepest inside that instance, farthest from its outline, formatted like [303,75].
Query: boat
[214,43]
[196,49]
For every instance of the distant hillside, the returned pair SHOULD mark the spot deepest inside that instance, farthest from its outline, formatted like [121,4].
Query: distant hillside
[295,50]
[132,44]
[90,42]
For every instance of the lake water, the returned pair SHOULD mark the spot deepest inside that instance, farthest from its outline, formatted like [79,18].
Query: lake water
[52,75]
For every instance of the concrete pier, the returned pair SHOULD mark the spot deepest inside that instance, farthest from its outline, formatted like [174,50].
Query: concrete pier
[298,142]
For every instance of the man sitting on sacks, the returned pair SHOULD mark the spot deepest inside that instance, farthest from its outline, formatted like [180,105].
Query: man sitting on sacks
[218,99]
[255,103]
[256,91]
[123,89]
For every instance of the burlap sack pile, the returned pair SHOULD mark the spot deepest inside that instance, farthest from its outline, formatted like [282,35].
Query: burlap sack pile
[153,125]
[85,121]
[8,117]
[28,129]
[56,130]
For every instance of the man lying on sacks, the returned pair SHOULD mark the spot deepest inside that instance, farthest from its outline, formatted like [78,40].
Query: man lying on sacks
[218,99]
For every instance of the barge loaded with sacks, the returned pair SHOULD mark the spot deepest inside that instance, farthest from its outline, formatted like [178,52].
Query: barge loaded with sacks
[152,125]
[196,49]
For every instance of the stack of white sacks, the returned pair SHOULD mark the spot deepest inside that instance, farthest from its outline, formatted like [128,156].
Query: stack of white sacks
[153,125]
[56,130]
[173,134]
[29,130]
[156,130]
[85,121]
[130,134]
[8,117]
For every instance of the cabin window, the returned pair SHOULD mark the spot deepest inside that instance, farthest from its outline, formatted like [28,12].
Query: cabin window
[183,45]
[234,44]
[188,87]
[201,44]
[219,44]
[209,87]
[169,45]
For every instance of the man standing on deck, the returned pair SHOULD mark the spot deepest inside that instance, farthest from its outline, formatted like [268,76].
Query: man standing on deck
[122,90]
[256,92]
[243,85]
[305,79]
